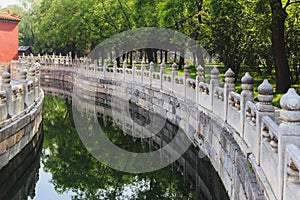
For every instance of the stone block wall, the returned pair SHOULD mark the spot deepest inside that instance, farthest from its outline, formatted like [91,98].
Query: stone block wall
[247,144]
[20,111]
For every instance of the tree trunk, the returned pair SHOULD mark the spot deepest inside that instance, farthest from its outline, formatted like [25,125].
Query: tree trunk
[141,54]
[117,57]
[131,58]
[166,56]
[181,59]
[155,56]
[282,69]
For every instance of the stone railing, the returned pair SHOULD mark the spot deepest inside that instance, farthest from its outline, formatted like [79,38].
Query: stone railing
[272,148]
[20,91]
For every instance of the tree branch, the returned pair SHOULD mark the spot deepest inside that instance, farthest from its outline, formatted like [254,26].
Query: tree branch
[182,20]
[288,3]
[124,13]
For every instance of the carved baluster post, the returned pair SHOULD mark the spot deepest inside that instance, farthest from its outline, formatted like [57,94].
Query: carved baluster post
[186,76]
[174,73]
[214,81]
[115,68]
[162,72]
[46,60]
[60,58]
[12,69]
[200,74]
[39,57]
[143,65]
[246,95]
[23,79]
[263,108]
[151,72]
[229,86]
[288,130]
[37,67]
[31,77]
[52,60]
[70,58]
[18,68]
[29,61]
[133,70]
[96,68]
[105,68]
[6,86]
[199,78]
[124,68]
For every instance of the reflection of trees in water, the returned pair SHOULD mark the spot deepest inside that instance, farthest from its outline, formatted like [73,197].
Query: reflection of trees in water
[73,168]
[19,177]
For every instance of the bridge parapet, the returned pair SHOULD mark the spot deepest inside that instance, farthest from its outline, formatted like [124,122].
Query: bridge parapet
[271,146]
[20,91]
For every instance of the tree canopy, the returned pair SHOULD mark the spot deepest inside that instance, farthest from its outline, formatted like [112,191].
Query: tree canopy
[260,34]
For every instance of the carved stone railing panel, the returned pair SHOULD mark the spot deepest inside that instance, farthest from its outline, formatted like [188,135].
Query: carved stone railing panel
[218,102]
[190,92]
[204,95]
[179,86]
[234,111]
[291,173]
[167,83]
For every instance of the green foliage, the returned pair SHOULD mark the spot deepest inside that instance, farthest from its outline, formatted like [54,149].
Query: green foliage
[74,169]
[238,33]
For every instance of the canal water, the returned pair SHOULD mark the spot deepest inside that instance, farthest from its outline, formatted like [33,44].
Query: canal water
[60,167]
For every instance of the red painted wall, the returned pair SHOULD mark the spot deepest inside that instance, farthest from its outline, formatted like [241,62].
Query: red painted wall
[8,41]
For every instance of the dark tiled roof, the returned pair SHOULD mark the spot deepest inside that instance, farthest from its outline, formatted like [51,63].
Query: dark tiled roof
[9,16]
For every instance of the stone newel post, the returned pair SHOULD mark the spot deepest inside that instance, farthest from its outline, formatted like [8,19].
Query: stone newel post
[246,95]
[186,76]
[174,70]
[38,77]
[263,108]
[200,74]
[105,66]
[143,65]
[124,68]
[187,71]
[31,77]
[214,81]
[133,70]
[23,79]
[199,79]
[288,130]
[162,72]
[134,65]
[151,72]
[229,86]
[115,68]
[6,86]
[173,74]
[96,67]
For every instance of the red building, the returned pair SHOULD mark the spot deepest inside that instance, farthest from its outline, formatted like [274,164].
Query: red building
[8,36]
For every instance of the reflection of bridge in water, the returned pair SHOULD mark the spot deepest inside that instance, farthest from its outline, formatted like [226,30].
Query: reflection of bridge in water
[198,173]
[19,177]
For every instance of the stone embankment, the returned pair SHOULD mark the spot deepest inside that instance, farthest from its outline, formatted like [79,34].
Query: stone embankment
[21,102]
[256,154]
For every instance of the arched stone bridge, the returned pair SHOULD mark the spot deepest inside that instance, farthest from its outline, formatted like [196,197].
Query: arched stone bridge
[255,152]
